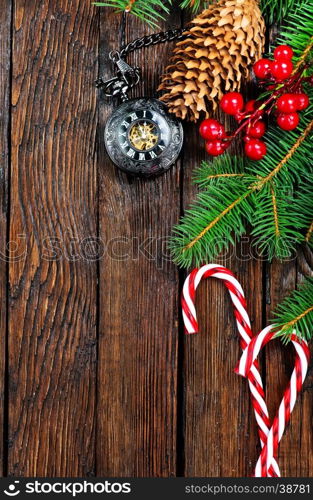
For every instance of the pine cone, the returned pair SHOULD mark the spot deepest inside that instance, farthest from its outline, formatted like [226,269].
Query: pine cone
[220,47]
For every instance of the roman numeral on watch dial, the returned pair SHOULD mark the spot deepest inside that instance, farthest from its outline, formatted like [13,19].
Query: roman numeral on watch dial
[131,153]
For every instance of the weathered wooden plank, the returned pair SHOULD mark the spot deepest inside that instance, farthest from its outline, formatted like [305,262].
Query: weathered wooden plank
[300,444]
[5,62]
[280,279]
[220,432]
[138,299]
[295,453]
[304,418]
[52,299]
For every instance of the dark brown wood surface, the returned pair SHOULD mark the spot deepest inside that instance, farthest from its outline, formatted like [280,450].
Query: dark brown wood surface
[138,324]
[5,72]
[52,323]
[96,377]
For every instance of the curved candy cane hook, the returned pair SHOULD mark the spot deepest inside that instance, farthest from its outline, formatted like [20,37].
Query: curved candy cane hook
[270,450]
[267,462]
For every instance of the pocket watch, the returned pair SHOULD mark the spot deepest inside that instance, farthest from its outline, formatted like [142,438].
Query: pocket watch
[141,137]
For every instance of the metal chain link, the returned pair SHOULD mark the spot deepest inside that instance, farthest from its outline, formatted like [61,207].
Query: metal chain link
[154,39]
[127,77]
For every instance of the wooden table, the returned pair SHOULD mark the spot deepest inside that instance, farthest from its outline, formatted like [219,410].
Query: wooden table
[96,375]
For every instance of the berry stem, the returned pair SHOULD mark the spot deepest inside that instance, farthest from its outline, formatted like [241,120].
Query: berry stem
[292,85]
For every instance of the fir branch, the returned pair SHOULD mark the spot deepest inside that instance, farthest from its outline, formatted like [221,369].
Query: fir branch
[147,10]
[221,168]
[297,29]
[217,218]
[285,155]
[220,212]
[275,10]
[280,218]
[304,56]
[295,313]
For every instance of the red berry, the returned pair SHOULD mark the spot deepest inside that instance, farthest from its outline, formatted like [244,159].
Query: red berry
[288,121]
[257,130]
[247,138]
[283,52]
[212,129]
[287,103]
[250,106]
[262,68]
[282,69]
[215,148]
[232,102]
[303,101]
[255,149]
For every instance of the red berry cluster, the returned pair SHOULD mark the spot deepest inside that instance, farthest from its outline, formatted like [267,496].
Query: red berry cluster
[286,97]
[233,104]
[278,71]
[214,132]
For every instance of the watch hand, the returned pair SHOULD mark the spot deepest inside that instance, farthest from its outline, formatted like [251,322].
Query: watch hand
[143,133]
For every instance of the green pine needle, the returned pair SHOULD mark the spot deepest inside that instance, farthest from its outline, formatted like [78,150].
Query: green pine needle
[273,195]
[276,10]
[194,5]
[217,218]
[295,313]
[279,143]
[149,11]
[280,219]
[222,169]
[297,28]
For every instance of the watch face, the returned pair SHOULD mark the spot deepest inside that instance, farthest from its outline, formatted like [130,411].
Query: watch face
[144,135]
[142,138]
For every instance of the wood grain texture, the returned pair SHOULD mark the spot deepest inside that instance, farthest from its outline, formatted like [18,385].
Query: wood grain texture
[138,335]
[52,308]
[5,89]
[281,279]
[220,433]
[100,378]
[303,420]
[295,452]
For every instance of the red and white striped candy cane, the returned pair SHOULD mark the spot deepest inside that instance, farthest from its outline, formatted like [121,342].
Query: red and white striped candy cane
[244,327]
[267,461]
[270,450]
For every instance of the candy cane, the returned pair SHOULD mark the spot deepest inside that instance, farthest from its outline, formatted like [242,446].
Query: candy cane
[267,461]
[244,327]
[269,451]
